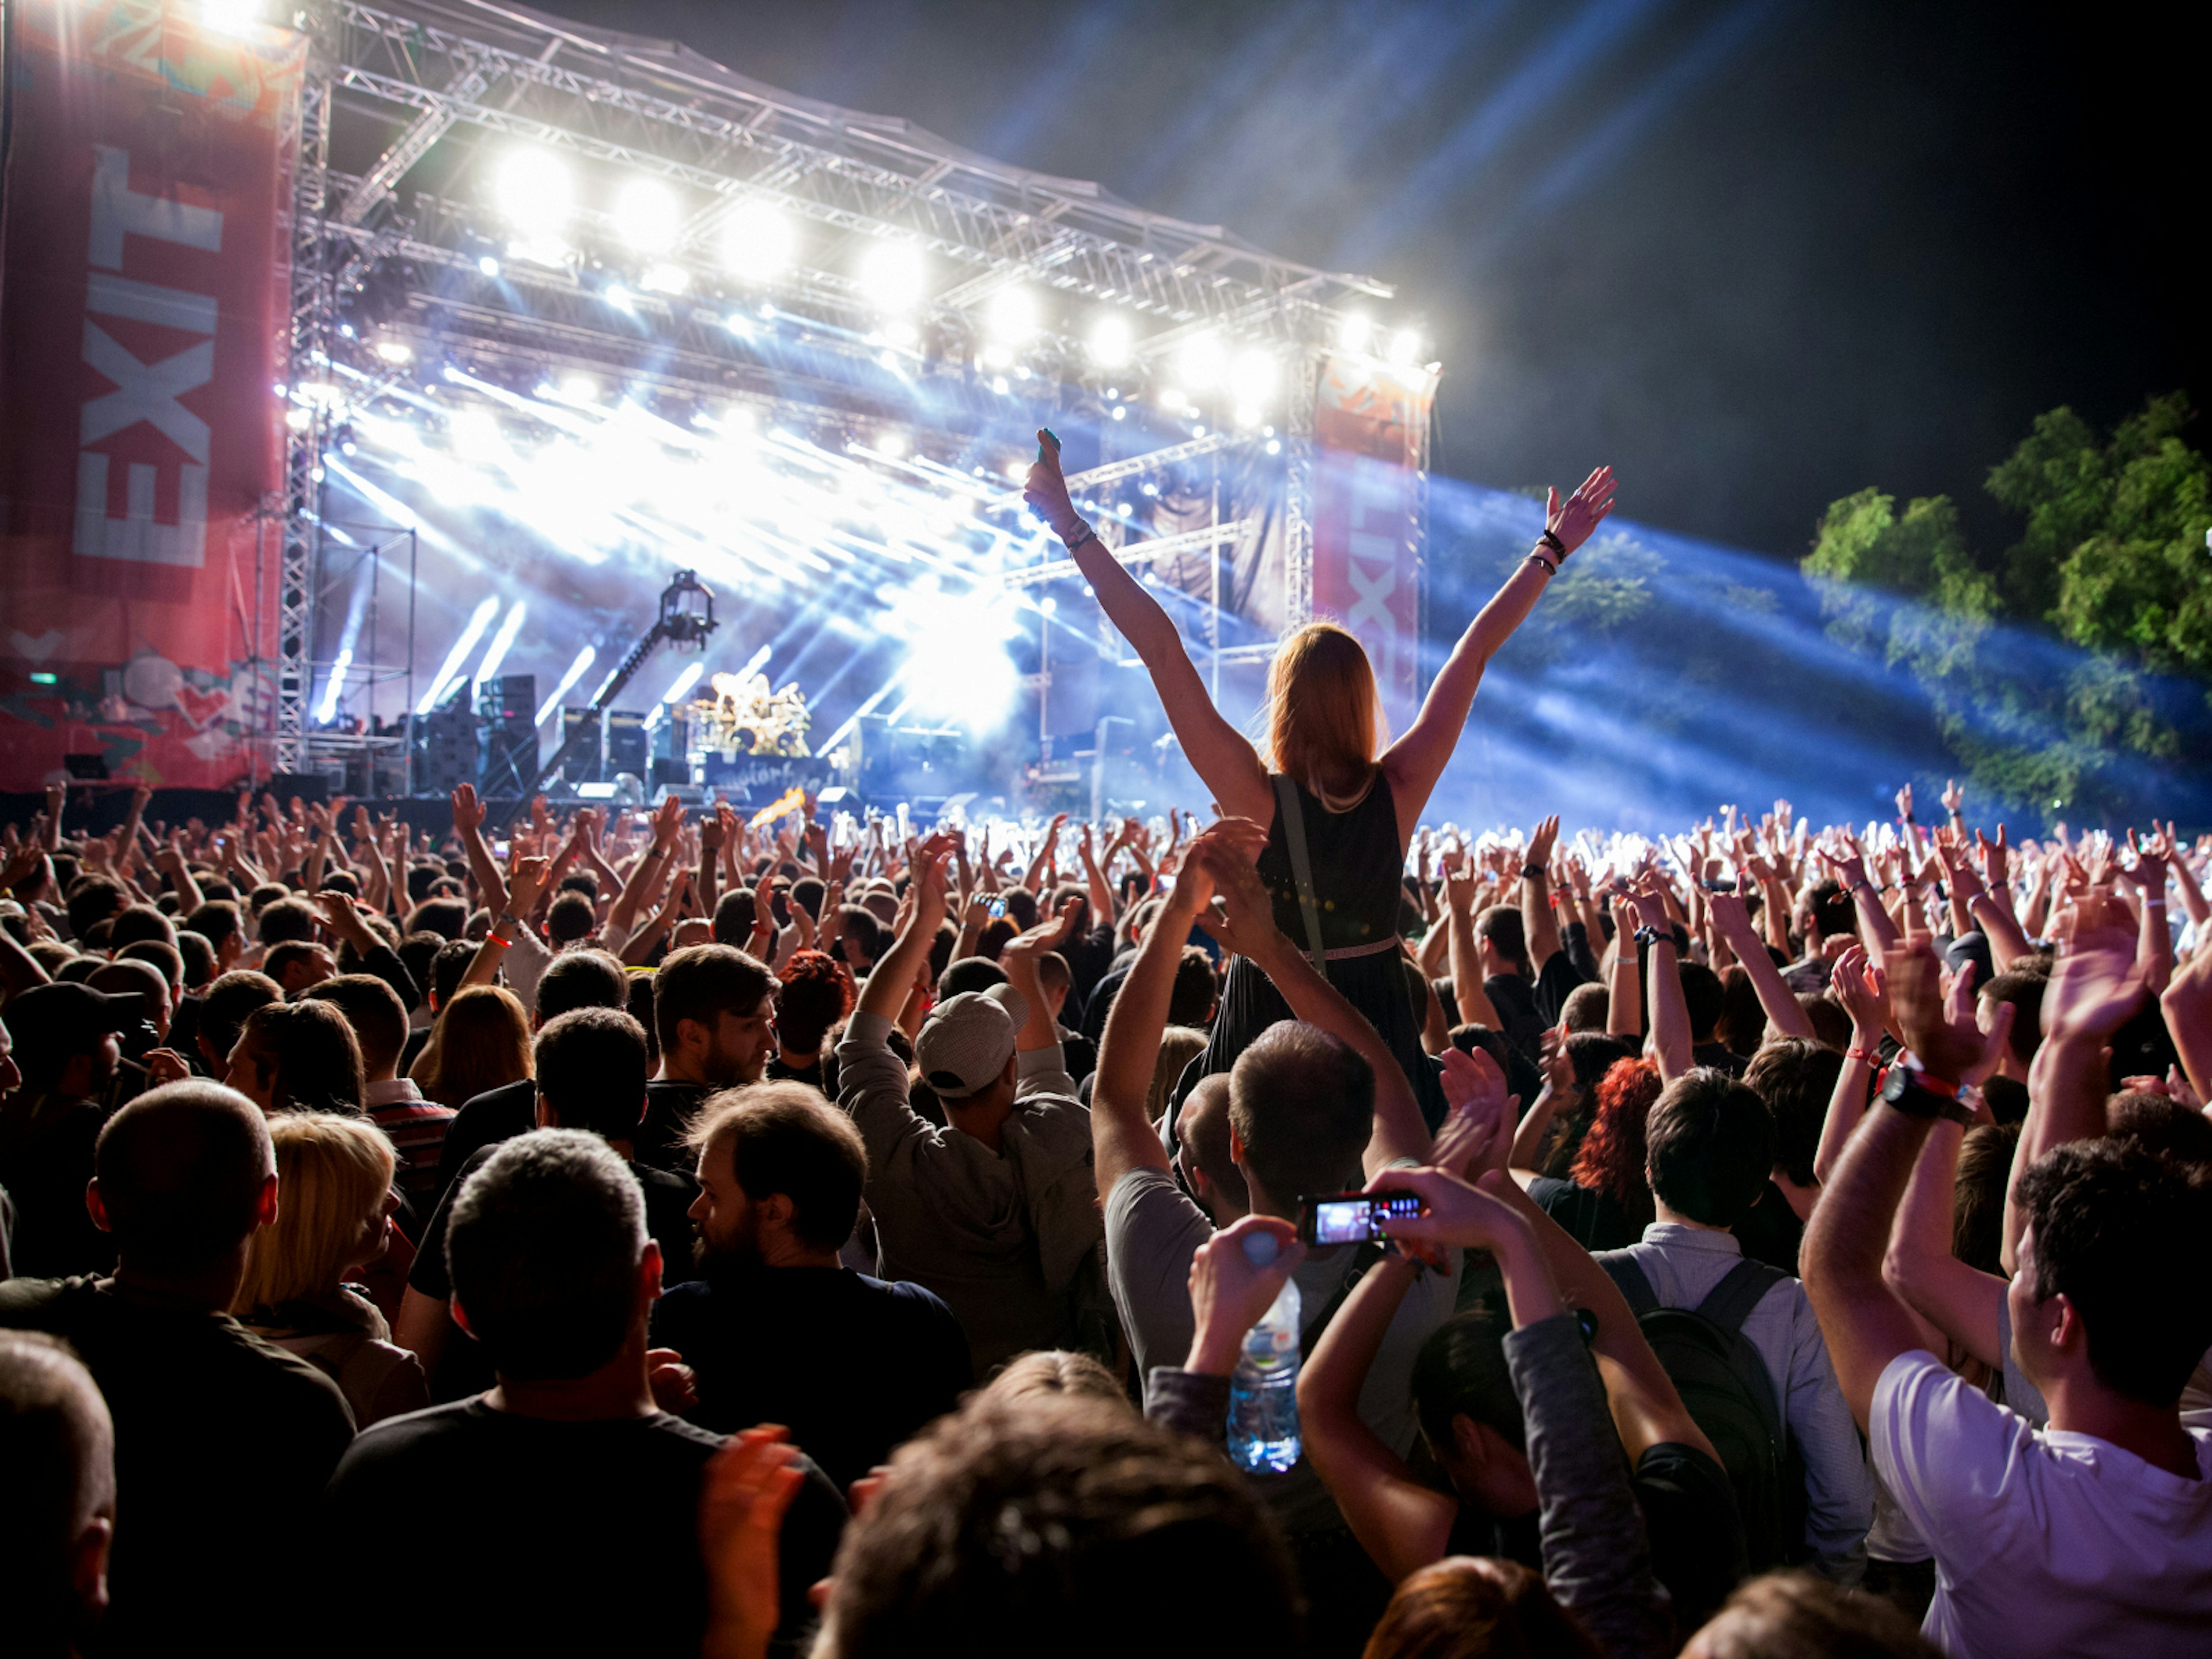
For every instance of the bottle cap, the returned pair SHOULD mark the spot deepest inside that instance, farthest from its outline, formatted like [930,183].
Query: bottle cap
[1261,1247]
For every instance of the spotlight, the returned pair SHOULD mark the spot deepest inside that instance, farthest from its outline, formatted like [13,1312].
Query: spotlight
[665,278]
[1001,387]
[891,442]
[1111,342]
[1120,411]
[1201,361]
[1247,415]
[489,266]
[619,297]
[537,192]
[1048,604]
[1405,347]
[230,16]
[1274,446]
[648,217]
[1252,377]
[902,333]
[579,388]
[1353,331]
[1014,316]
[395,351]
[1172,400]
[893,275]
[757,241]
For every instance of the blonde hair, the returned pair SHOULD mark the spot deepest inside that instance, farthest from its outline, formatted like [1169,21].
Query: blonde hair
[1324,714]
[1051,1374]
[332,1175]
[481,1042]
[1179,1046]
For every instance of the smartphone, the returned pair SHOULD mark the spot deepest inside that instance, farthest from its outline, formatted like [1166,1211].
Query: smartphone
[499,849]
[1719,884]
[1353,1217]
[1051,437]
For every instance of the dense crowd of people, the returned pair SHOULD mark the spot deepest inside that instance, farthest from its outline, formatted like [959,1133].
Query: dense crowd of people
[665,1234]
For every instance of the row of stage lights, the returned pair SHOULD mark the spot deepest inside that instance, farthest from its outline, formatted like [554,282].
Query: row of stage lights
[535,192]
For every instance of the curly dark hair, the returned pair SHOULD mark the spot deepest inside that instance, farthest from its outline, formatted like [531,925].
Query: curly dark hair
[816,993]
[1611,1160]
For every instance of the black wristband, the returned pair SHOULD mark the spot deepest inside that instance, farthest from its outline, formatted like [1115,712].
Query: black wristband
[1533,872]
[1550,539]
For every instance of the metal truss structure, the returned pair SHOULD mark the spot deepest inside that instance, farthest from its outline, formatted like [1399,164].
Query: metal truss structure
[402,96]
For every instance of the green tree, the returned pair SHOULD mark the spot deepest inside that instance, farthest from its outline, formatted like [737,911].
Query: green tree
[2111,558]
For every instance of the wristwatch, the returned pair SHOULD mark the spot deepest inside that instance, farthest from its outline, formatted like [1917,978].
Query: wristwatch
[1918,1095]
[1647,937]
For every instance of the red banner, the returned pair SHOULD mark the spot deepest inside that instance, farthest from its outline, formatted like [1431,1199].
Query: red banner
[144,295]
[1370,431]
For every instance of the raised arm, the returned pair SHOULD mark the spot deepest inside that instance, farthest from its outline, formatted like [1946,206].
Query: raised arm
[1670,1014]
[1416,760]
[1223,758]
[1539,925]
[2187,1005]
[1784,1011]
[1961,1303]
[1095,883]
[645,875]
[468,826]
[1474,1004]
[883,993]
[1863,990]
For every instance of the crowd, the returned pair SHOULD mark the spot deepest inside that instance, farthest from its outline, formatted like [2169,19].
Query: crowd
[653,1233]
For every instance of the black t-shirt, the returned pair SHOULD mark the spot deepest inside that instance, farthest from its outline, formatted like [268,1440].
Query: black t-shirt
[1596,1219]
[1720,1057]
[562,1537]
[1100,1002]
[46,1159]
[852,1366]
[463,1369]
[485,1120]
[1769,1231]
[1518,1022]
[821,1075]
[222,1444]
[668,1111]
[1088,956]
[1697,1537]
[1556,981]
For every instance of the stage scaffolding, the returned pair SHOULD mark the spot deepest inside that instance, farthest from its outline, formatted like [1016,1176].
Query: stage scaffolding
[398,96]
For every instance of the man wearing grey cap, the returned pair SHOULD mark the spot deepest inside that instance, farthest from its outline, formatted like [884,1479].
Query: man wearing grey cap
[996,1213]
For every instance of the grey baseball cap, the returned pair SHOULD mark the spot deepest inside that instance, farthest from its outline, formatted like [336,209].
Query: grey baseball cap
[966,1040]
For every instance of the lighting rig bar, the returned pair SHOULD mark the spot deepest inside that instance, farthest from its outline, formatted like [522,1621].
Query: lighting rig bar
[1113,472]
[1136,554]
[668,111]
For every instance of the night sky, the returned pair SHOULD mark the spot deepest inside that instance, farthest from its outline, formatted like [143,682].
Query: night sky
[1755,254]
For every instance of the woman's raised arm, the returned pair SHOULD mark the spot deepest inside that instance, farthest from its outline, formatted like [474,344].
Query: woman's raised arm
[1416,760]
[1223,757]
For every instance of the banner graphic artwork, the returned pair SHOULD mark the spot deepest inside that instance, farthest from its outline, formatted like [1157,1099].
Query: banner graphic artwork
[144,299]
[1370,424]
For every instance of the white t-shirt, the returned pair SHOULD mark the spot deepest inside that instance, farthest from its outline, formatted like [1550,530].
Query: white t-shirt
[2046,1541]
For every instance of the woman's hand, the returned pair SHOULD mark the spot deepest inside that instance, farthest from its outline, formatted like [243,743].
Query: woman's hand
[1571,520]
[1233,1283]
[1045,492]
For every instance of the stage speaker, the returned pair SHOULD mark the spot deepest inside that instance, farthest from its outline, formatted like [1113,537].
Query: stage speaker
[446,753]
[587,759]
[507,709]
[627,742]
[312,788]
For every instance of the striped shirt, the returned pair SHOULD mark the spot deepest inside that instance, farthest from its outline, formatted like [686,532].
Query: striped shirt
[417,1128]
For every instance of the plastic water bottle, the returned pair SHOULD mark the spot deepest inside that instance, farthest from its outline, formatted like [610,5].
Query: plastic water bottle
[1263,1393]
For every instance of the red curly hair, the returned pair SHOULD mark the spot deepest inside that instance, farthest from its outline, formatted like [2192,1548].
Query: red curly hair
[1611,1160]
[816,993]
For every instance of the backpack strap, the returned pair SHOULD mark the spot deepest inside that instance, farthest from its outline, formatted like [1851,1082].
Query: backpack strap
[1628,1278]
[1362,1259]
[1293,820]
[1730,1303]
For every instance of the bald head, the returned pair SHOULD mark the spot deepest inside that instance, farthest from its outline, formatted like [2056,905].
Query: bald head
[178,1174]
[57,1444]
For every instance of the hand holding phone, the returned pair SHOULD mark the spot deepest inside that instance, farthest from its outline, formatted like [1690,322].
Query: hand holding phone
[1353,1217]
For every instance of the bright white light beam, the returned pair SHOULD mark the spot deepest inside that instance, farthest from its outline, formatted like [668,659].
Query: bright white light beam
[684,681]
[501,642]
[328,711]
[583,659]
[449,670]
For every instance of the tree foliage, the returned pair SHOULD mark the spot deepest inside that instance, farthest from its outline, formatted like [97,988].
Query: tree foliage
[2112,559]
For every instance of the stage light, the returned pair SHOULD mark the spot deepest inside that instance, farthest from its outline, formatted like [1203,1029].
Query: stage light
[757,241]
[740,324]
[891,442]
[901,333]
[684,681]
[1000,385]
[1247,416]
[329,711]
[1274,446]
[443,679]
[648,217]
[395,351]
[583,662]
[1014,316]
[1111,342]
[502,643]
[1048,604]
[230,16]
[1405,347]
[579,388]
[489,266]
[1201,361]
[665,279]
[1353,331]
[893,275]
[1172,400]
[619,298]
[1253,377]
[537,192]
[1120,411]
[299,419]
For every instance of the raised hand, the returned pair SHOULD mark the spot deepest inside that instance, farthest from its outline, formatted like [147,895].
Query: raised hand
[1732,918]
[1904,804]
[526,883]
[468,810]
[1477,1133]
[2096,985]
[1941,1035]
[1863,987]
[1955,799]
[1573,520]
[1541,840]
[1996,859]
[1046,490]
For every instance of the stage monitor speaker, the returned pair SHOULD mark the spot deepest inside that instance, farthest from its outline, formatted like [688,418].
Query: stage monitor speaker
[669,773]
[587,760]
[312,788]
[627,742]
[446,752]
[507,708]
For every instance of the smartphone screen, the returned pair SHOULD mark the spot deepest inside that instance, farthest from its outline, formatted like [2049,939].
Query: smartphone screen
[1355,1217]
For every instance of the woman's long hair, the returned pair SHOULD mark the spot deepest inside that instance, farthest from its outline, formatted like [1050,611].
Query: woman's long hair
[1324,714]
[1612,1158]
[481,1040]
[332,1175]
